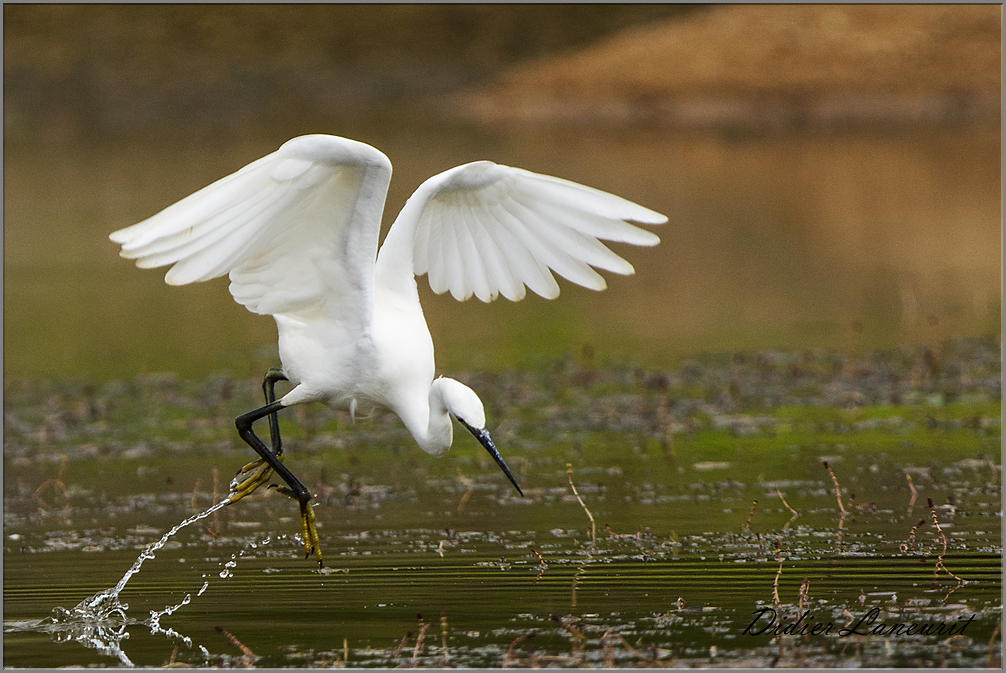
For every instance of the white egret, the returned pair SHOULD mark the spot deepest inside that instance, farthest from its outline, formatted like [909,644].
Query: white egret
[297,232]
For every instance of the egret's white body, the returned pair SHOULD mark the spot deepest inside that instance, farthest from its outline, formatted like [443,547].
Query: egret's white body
[297,231]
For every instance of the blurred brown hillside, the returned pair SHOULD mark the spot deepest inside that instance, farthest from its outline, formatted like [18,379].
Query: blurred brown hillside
[74,70]
[776,64]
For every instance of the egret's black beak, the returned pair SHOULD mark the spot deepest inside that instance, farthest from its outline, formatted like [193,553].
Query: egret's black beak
[485,440]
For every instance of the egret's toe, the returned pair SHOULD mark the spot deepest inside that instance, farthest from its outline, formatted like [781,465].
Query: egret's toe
[249,478]
[310,533]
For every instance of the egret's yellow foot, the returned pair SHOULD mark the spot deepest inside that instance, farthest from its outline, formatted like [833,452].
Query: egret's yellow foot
[308,529]
[310,532]
[244,483]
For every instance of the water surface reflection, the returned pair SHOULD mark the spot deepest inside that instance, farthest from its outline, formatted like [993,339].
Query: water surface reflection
[857,238]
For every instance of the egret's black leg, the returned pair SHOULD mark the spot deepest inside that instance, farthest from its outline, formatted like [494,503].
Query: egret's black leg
[244,425]
[269,388]
[272,461]
[257,472]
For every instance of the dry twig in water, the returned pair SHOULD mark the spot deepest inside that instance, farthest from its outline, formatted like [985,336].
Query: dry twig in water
[517,641]
[943,537]
[651,661]
[174,655]
[576,580]
[915,494]
[911,537]
[615,535]
[419,642]
[401,645]
[838,490]
[245,650]
[56,485]
[795,513]
[577,639]
[593,526]
[804,593]
[932,511]
[747,525]
[443,635]
[607,650]
[775,582]
[542,565]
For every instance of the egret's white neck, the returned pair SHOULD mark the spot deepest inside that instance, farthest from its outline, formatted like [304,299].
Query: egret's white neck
[433,431]
[432,427]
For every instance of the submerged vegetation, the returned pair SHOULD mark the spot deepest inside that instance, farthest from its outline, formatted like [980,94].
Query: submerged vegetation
[713,514]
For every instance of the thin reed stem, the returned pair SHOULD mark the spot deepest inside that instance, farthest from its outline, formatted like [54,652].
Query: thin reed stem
[838,489]
[795,513]
[593,526]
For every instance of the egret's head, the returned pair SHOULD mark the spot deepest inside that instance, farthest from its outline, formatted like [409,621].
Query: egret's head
[466,408]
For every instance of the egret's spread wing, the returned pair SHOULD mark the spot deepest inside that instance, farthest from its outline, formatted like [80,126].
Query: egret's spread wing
[288,228]
[487,229]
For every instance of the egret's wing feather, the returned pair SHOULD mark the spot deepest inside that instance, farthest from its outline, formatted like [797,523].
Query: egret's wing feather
[178,217]
[211,246]
[486,229]
[477,273]
[500,269]
[548,241]
[283,227]
[544,223]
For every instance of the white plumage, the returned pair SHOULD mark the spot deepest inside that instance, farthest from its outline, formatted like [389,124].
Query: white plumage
[297,231]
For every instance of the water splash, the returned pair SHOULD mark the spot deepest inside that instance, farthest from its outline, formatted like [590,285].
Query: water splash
[99,621]
[228,570]
[155,620]
[104,604]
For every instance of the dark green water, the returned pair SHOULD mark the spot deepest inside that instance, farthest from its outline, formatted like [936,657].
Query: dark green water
[669,463]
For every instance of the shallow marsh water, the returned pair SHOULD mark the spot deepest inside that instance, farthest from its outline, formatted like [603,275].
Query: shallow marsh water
[438,561]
